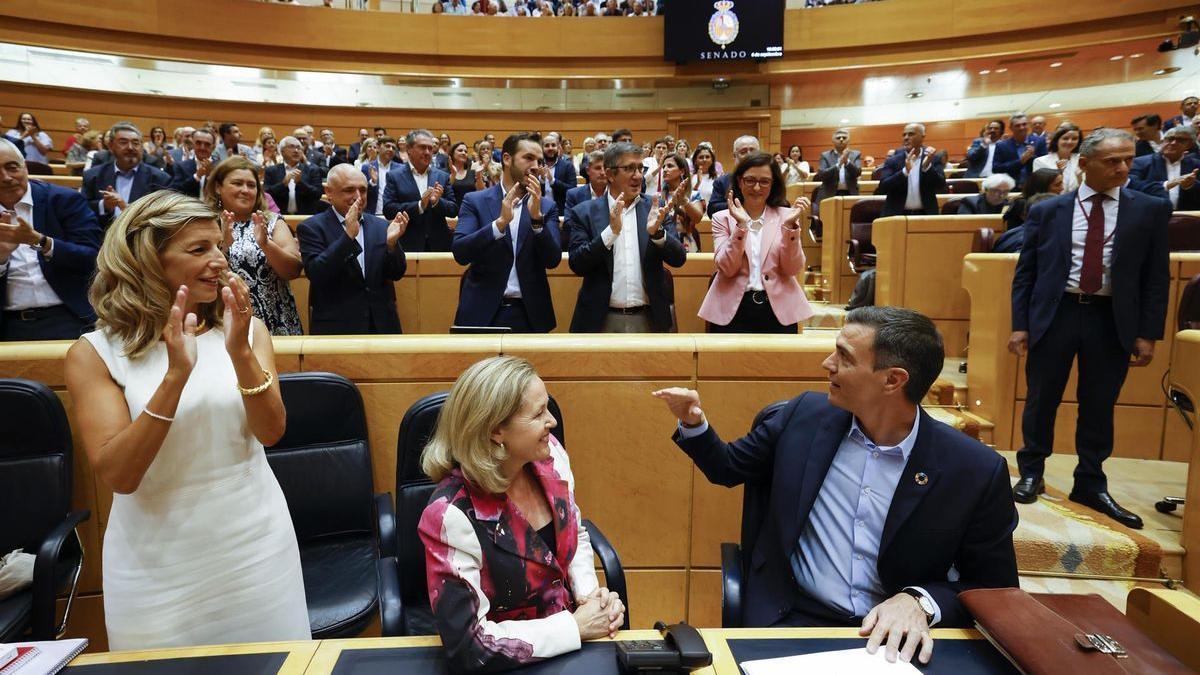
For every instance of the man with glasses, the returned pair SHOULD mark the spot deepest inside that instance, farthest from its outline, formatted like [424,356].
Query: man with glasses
[1173,167]
[993,200]
[111,187]
[424,193]
[618,244]
[743,147]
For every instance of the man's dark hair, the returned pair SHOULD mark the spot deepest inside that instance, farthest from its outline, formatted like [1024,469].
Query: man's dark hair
[1139,118]
[205,130]
[226,128]
[511,143]
[622,132]
[1000,122]
[778,195]
[615,151]
[380,129]
[385,139]
[904,339]
[1154,120]
[1186,99]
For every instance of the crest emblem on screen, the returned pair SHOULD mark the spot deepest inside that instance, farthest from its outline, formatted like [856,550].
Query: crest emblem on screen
[723,26]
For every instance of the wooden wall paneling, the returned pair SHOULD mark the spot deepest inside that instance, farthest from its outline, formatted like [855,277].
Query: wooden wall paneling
[992,370]
[1137,429]
[1186,377]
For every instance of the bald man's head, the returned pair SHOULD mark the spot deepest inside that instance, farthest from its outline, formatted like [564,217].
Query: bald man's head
[344,185]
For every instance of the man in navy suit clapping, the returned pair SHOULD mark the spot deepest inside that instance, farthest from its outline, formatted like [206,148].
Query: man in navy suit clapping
[424,193]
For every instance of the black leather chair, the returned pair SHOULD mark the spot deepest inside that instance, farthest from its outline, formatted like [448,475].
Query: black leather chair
[860,251]
[669,287]
[404,597]
[984,240]
[815,227]
[35,498]
[756,498]
[1183,232]
[950,208]
[35,168]
[323,464]
[962,186]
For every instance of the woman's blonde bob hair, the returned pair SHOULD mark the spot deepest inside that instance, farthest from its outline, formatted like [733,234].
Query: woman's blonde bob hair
[130,292]
[484,397]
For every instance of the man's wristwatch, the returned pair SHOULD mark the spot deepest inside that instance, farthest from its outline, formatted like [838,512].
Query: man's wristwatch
[924,602]
[41,245]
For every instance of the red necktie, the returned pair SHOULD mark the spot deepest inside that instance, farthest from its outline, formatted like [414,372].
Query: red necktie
[1092,275]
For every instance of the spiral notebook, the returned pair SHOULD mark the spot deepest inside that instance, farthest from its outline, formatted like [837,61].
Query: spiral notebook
[39,658]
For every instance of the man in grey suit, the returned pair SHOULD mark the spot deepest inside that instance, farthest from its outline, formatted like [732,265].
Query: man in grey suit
[231,143]
[839,169]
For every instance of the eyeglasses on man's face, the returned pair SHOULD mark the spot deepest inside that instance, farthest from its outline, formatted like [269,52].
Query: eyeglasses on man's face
[633,168]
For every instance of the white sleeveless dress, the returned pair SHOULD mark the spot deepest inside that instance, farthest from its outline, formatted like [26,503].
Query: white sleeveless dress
[204,551]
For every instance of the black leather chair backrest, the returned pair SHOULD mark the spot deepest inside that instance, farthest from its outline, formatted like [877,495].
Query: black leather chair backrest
[669,289]
[323,461]
[35,464]
[756,497]
[862,215]
[35,168]
[962,186]
[1189,305]
[983,240]
[1183,232]
[950,208]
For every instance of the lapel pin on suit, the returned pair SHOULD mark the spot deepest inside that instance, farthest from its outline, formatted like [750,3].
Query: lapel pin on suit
[921,478]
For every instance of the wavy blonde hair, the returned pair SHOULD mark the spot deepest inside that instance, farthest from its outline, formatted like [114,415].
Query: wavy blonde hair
[484,397]
[130,292]
[222,171]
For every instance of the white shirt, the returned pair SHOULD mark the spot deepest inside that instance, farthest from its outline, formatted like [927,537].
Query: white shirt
[31,151]
[841,177]
[422,181]
[291,186]
[1050,161]
[362,246]
[1173,171]
[513,288]
[913,201]
[382,183]
[628,290]
[703,185]
[27,286]
[754,244]
[1079,228]
[987,166]
[653,180]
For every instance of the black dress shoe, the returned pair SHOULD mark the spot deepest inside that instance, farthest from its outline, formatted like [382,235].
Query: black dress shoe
[1104,503]
[1027,489]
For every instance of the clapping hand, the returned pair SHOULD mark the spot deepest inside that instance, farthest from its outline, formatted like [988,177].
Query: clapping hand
[737,210]
[396,229]
[800,211]
[844,157]
[614,215]
[657,215]
[227,222]
[238,314]
[203,167]
[112,199]
[683,403]
[930,153]
[292,175]
[353,218]
[912,159]
[180,336]
[259,220]
[1027,154]
[533,188]
[506,207]
[13,235]
[1187,180]
[679,195]
[374,175]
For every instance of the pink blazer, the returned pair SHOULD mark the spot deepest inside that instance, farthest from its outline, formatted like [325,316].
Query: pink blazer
[782,260]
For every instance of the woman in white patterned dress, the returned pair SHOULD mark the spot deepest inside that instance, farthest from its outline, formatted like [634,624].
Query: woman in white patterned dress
[175,395]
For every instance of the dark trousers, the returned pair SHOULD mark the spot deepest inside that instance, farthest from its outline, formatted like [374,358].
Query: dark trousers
[512,315]
[1086,332]
[47,323]
[754,315]
[807,612]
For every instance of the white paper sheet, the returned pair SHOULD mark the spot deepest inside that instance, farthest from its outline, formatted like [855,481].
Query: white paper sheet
[845,662]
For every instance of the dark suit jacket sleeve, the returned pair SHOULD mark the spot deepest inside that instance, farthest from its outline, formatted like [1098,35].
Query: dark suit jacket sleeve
[1027,265]
[392,205]
[751,458]
[585,254]
[936,175]
[80,243]
[90,192]
[448,204]
[184,178]
[473,239]
[570,179]
[671,251]
[309,185]
[395,263]
[160,180]
[1153,188]
[895,178]
[854,167]
[324,260]
[549,241]
[1011,167]
[827,170]
[966,207]
[273,178]
[1156,276]
[718,203]
[976,153]
[985,558]
[1141,168]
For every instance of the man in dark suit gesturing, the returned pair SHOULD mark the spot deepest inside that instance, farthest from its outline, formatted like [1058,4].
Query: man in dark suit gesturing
[840,167]
[48,244]
[294,184]
[618,245]
[509,236]
[351,259]
[190,175]
[424,193]
[1091,283]
[1173,167]
[559,171]
[111,187]
[912,177]
[878,515]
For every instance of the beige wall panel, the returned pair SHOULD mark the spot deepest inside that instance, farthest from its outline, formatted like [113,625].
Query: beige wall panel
[654,595]
[766,357]
[385,405]
[704,598]
[87,621]
[407,357]
[1137,430]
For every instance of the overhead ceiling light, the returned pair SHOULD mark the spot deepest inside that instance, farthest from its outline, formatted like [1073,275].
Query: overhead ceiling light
[1002,70]
[914,94]
[1055,105]
[1167,71]
[844,121]
[1136,56]
[985,71]
[1118,57]
[1056,64]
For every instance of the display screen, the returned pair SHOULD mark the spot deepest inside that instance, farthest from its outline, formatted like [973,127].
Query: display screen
[723,30]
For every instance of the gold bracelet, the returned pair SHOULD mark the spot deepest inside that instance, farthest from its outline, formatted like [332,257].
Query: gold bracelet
[255,391]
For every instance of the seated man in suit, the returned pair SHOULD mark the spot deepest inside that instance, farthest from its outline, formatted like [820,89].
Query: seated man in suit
[191,174]
[48,244]
[509,235]
[111,187]
[559,171]
[424,193]
[1173,167]
[183,145]
[839,168]
[329,155]
[595,188]
[1018,151]
[879,515]
[993,200]
[351,259]
[743,147]
[982,157]
[912,177]
[231,143]
[294,184]
[618,245]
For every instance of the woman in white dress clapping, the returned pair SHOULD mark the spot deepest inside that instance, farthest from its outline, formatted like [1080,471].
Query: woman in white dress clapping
[175,394]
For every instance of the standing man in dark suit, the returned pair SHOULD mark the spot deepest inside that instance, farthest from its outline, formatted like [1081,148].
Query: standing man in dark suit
[351,260]
[878,515]
[356,147]
[1018,150]
[1037,129]
[329,155]
[111,187]
[48,244]
[424,193]
[294,184]
[1148,130]
[377,171]
[231,143]
[743,147]
[1187,109]
[560,171]
[191,174]
[838,170]
[1173,167]
[509,236]
[987,153]
[913,177]
[1091,283]
[441,158]
[618,245]
[595,188]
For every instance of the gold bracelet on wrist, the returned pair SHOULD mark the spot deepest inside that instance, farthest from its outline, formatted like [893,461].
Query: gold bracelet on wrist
[255,391]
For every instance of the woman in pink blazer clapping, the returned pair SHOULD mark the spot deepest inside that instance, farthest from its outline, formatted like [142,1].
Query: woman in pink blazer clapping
[756,244]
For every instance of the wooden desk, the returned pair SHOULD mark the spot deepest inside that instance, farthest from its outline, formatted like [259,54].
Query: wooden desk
[297,661]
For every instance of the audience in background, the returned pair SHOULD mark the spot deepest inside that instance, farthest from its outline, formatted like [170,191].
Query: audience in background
[1018,150]
[77,156]
[268,154]
[704,173]
[912,177]
[37,142]
[356,147]
[157,153]
[743,147]
[294,184]
[463,177]
[259,245]
[559,172]
[183,144]
[1037,128]
[330,154]
[1188,108]
[993,200]
[424,193]
[839,170]
[596,187]
[1063,155]
[229,142]
[113,186]
[686,207]
[190,175]
[1173,167]
[485,163]
[376,172]
[1148,131]
[795,169]
[368,151]
[986,154]
[1013,238]
[82,126]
